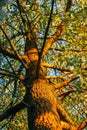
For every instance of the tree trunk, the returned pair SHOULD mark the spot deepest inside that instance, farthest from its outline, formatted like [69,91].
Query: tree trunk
[42,113]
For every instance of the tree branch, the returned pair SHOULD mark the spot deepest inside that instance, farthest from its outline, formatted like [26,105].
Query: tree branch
[53,38]
[54,77]
[68,6]
[26,23]
[10,74]
[12,111]
[67,126]
[12,46]
[47,28]
[72,50]
[8,53]
[45,37]
[20,11]
[55,67]
[63,115]
[61,76]
[82,125]
[63,95]
[12,27]
[65,82]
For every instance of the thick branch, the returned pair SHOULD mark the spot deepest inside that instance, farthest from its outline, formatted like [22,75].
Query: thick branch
[63,115]
[68,126]
[53,38]
[12,111]
[82,125]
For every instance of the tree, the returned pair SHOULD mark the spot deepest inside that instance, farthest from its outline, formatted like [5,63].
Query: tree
[43,64]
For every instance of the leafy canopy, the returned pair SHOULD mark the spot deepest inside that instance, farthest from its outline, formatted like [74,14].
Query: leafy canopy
[65,59]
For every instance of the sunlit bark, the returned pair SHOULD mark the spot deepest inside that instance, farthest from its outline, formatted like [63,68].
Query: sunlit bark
[44,110]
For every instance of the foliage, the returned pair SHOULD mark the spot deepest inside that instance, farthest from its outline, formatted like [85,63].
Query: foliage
[65,59]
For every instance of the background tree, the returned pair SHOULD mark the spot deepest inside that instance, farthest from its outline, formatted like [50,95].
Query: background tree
[43,64]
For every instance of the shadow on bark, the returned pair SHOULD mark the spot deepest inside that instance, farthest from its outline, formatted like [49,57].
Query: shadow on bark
[43,115]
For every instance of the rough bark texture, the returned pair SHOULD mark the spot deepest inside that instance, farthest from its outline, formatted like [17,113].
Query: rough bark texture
[43,112]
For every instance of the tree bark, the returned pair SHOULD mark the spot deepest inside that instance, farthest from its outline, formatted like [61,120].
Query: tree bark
[42,113]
